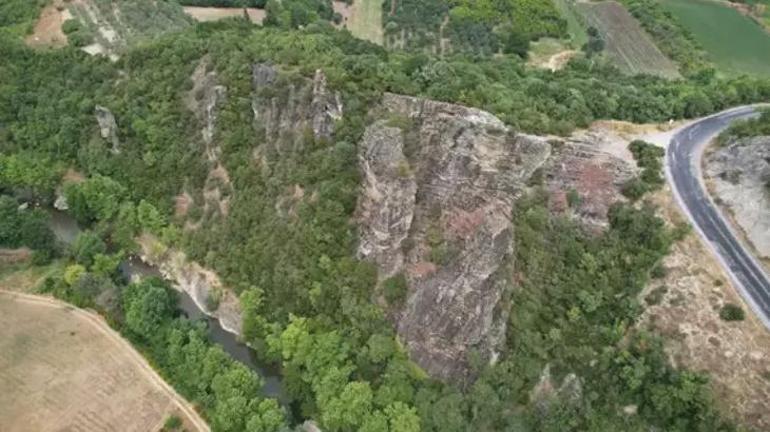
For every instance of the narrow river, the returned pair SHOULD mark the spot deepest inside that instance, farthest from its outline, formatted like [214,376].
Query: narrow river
[66,229]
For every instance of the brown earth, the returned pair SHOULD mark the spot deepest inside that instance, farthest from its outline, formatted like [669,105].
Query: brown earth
[48,29]
[736,355]
[63,368]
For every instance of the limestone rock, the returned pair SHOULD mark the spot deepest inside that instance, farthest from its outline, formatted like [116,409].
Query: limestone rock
[440,181]
[108,127]
[740,175]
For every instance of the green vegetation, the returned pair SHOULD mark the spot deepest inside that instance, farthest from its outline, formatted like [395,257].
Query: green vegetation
[18,16]
[648,157]
[731,312]
[479,27]
[759,126]
[224,3]
[307,302]
[669,35]
[735,44]
[576,27]
[21,226]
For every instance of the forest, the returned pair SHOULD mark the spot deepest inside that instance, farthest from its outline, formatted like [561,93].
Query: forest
[307,301]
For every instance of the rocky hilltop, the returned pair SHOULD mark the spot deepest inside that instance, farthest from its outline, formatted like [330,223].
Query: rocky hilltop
[739,176]
[440,182]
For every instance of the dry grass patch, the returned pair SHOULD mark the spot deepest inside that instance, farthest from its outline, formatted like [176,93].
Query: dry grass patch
[62,368]
[205,14]
[685,307]
[363,18]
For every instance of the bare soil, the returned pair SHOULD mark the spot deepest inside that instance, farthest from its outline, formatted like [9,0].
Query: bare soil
[736,355]
[48,29]
[63,368]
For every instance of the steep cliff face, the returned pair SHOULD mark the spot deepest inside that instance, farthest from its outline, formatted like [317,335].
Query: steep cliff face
[440,181]
[287,109]
[739,176]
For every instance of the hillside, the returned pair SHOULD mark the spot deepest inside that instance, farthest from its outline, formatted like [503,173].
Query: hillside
[419,241]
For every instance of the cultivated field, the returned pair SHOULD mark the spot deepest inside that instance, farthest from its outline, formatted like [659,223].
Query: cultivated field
[64,369]
[735,43]
[627,44]
[204,14]
[363,18]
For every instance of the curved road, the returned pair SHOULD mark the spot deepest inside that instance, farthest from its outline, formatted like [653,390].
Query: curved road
[683,170]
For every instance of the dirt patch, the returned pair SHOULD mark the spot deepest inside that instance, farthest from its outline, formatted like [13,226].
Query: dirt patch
[736,355]
[14,256]
[205,14]
[48,29]
[62,368]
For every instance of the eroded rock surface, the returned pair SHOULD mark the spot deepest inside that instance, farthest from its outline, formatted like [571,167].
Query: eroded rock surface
[739,174]
[108,127]
[288,109]
[201,284]
[440,181]
[583,166]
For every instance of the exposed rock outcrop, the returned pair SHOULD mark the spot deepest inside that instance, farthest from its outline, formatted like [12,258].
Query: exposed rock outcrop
[108,127]
[581,165]
[288,109]
[205,100]
[201,284]
[440,181]
[740,178]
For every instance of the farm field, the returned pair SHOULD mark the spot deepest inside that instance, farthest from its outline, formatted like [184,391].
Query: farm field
[204,14]
[575,26]
[627,44]
[363,18]
[735,43]
[63,368]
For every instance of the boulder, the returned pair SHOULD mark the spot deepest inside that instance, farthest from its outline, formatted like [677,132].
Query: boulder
[108,127]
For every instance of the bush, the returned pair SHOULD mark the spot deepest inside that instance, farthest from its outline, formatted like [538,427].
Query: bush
[731,312]
[394,289]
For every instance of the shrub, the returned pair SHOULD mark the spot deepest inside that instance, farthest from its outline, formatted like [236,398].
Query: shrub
[731,312]
[394,289]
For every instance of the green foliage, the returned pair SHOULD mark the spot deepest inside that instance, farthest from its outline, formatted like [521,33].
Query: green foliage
[96,199]
[172,423]
[297,13]
[15,12]
[731,312]
[21,226]
[749,128]
[669,35]
[86,247]
[395,289]
[479,27]
[27,171]
[648,157]
[224,3]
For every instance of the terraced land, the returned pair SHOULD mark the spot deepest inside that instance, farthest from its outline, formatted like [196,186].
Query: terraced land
[63,369]
[736,44]
[627,45]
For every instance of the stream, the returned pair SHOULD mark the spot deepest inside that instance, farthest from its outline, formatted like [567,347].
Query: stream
[66,229]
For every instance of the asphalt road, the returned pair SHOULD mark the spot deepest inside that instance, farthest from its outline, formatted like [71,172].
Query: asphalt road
[683,162]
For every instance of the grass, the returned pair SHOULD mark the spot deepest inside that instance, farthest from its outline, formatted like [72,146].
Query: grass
[628,46]
[366,20]
[576,26]
[735,44]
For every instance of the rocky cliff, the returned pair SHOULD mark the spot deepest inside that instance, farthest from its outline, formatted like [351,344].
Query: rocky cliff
[739,176]
[440,182]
